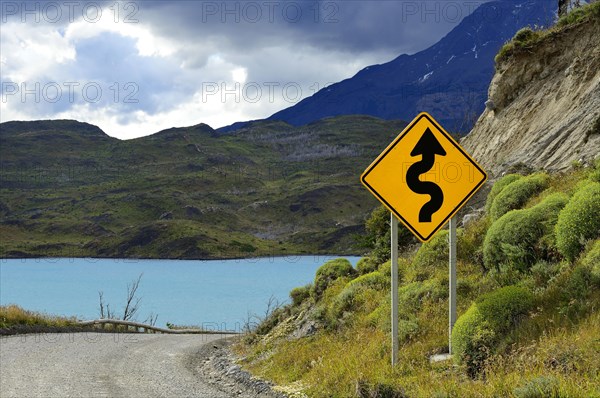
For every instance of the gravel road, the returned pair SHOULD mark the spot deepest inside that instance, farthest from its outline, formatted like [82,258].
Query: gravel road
[108,365]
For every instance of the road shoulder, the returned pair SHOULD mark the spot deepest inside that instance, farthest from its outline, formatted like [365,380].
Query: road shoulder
[216,364]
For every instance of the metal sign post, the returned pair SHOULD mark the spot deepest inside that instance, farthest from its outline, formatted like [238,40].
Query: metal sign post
[452,278]
[423,178]
[394,270]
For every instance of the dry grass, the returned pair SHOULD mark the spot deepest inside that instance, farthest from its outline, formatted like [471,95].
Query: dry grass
[331,365]
[553,351]
[15,316]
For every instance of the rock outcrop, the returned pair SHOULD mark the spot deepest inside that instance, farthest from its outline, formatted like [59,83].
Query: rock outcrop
[544,104]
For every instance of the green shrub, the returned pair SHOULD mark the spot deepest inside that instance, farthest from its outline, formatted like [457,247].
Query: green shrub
[592,260]
[366,389]
[380,316]
[464,287]
[539,387]
[377,237]
[366,265]
[478,330]
[408,326]
[403,265]
[375,280]
[517,193]
[524,35]
[498,187]
[385,268]
[470,241]
[522,237]
[355,294]
[570,290]
[523,39]
[299,294]
[407,329]
[326,303]
[345,301]
[578,286]
[505,275]
[594,173]
[543,272]
[329,272]
[505,51]
[275,318]
[412,296]
[431,257]
[526,38]
[579,221]
[580,14]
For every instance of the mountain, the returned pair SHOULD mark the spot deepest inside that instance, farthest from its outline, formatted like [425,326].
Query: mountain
[269,188]
[448,80]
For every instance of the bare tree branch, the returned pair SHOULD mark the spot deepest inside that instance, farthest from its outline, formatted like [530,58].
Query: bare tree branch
[101,298]
[272,305]
[132,304]
[151,320]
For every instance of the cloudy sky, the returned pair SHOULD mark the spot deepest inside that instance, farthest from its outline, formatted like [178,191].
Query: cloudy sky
[134,68]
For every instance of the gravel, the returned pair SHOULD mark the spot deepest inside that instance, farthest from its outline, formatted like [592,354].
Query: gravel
[217,363]
[121,365]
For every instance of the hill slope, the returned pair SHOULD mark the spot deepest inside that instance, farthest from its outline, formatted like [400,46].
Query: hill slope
[527,327]
[545,103]
[270,188]
[449,79]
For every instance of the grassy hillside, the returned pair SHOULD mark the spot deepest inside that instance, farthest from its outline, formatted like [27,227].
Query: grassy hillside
[67,189]
[528,305]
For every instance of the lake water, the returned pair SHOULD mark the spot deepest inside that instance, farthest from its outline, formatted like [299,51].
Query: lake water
[217,294]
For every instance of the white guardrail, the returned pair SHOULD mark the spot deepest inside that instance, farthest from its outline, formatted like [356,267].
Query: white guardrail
[137,327]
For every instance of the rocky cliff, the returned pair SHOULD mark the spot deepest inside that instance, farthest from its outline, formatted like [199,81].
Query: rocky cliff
[544,101]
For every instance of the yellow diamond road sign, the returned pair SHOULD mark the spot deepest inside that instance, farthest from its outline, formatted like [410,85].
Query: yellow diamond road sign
[424,177]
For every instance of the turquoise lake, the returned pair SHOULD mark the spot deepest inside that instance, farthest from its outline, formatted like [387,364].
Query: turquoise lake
[216,294]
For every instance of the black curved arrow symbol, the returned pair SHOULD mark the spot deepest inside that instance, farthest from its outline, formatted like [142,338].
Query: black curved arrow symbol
[428,146]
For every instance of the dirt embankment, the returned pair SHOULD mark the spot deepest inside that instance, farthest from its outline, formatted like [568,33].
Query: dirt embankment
[544,104]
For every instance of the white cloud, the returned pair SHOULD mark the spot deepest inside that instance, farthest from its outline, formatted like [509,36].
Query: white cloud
[179,67]
[29,51]
[147,44]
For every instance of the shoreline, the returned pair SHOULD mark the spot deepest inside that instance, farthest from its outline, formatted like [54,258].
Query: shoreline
[134,259]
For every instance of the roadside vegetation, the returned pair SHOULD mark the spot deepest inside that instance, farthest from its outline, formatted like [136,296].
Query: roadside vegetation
[529,37]
[528,305]
[15,317]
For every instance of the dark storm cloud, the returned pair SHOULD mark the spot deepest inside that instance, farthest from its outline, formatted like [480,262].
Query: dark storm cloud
[59,13]
[352,26]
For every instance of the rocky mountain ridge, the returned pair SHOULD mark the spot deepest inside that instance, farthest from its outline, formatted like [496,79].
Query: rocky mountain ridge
[448,80]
